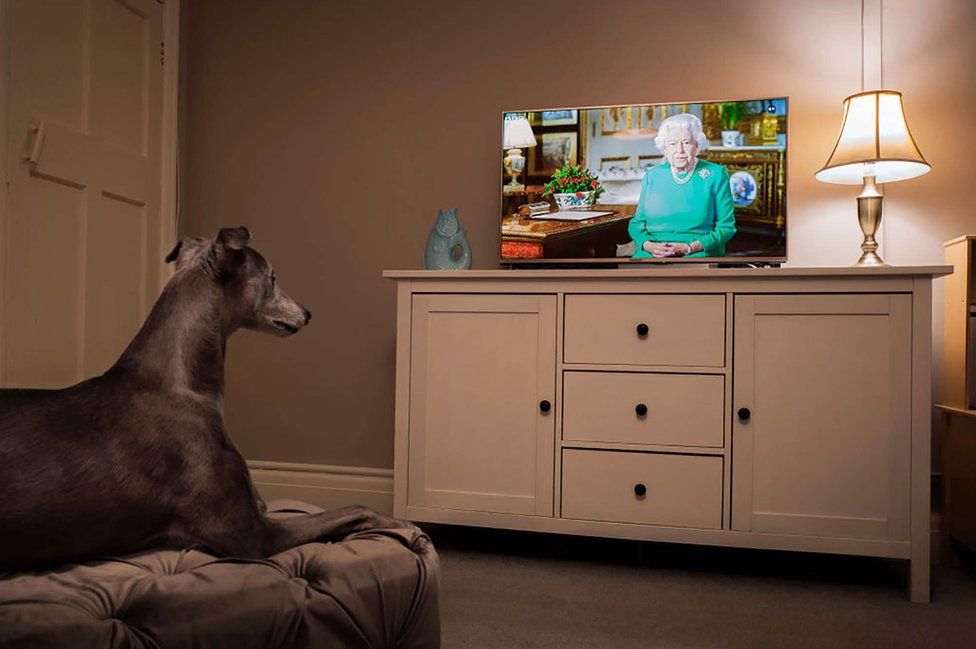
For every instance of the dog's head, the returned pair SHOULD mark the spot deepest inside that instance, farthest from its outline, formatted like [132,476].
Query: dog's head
[254,299]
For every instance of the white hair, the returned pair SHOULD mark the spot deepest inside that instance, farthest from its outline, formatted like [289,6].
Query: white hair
[680,122]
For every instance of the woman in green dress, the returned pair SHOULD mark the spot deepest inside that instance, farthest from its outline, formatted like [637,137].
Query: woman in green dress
[685,207]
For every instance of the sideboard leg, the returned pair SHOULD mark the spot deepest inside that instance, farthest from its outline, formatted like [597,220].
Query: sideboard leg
[921,462]
[920,576]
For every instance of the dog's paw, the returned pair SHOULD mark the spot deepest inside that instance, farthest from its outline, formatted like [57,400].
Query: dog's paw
[371,520]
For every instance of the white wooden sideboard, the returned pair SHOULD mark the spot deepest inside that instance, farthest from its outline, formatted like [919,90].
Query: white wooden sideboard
[784,408]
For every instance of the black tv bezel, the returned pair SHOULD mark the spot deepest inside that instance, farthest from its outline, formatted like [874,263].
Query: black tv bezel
[612,261]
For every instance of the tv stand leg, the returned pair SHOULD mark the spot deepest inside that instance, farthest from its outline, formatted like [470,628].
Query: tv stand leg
[919,581]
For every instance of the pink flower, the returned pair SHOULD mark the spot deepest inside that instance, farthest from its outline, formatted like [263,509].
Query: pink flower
[579,194]
[593,184]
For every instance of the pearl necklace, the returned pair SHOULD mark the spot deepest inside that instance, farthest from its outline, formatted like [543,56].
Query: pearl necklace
[682,181]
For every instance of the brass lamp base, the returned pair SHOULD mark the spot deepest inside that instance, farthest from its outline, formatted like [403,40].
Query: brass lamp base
[869,216]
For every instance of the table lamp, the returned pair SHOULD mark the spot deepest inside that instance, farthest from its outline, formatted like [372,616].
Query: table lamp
[517,134]
[874,146]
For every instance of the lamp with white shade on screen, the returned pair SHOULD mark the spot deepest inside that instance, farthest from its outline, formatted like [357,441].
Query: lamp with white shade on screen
[874,146]
[517,135]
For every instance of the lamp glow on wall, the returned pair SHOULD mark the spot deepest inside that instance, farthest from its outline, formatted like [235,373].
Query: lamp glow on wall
[874,146]
[517,135]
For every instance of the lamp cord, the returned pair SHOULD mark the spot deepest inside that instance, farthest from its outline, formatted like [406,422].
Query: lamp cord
[881,41]
[880,44]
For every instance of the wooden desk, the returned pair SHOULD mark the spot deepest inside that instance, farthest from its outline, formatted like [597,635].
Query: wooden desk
[525,238]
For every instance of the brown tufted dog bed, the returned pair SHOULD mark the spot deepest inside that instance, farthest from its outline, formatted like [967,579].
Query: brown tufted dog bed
[374,589]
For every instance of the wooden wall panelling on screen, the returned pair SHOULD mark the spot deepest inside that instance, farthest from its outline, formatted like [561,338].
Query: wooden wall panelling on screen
[83,224]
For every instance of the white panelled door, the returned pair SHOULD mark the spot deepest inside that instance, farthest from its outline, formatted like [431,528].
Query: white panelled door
[82,234]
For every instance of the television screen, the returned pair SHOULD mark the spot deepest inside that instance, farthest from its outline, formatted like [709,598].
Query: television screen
[658,182]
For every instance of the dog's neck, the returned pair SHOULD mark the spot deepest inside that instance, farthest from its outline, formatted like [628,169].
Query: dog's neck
[180,347]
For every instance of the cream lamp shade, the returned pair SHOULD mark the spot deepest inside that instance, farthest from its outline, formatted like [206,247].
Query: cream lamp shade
[518,134]
[874,141]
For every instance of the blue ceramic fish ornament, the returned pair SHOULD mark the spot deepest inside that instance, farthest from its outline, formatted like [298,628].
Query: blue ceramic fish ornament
[443,238]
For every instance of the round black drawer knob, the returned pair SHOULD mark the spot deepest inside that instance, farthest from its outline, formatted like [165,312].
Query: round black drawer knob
[545,406]
[640,490]
[641,410]
[642,329]
[744,414]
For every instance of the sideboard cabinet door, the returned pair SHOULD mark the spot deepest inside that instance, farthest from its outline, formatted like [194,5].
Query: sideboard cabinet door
[821,416]
[482,403]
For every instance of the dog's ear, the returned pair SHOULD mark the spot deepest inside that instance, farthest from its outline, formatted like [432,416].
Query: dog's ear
[234,238]
[228,249]
[171,257]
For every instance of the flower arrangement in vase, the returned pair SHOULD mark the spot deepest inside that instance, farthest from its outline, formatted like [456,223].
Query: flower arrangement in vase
[574,187]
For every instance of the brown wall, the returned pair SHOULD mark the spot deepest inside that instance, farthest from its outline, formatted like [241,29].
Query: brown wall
[335,131]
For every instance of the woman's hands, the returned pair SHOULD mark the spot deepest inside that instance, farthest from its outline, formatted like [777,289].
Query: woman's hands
[671,249]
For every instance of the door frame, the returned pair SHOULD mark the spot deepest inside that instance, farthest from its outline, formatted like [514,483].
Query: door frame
[4,179]
[169,151]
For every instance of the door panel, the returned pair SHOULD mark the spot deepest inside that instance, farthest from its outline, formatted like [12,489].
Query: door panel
[480,365]
[82,232]
[114,280]
[44,294]
[828,381]
[119,97]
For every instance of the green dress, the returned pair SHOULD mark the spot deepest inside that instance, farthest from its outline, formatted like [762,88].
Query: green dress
[699,210]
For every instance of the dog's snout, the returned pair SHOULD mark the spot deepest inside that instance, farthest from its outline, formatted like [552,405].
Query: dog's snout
[308,316]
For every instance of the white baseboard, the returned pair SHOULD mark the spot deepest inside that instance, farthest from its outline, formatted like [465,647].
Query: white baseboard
[325,485]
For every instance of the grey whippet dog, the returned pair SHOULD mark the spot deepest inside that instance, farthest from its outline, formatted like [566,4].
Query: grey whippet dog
[138,457]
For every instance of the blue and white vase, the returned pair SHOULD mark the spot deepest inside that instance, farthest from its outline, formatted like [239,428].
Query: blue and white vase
[731,139]
[570,201]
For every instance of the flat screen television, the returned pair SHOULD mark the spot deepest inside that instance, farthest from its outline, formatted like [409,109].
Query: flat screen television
[685,182]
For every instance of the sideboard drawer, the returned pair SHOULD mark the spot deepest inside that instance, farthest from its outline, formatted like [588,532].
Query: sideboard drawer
[679,490]
[678,409]
[682,330]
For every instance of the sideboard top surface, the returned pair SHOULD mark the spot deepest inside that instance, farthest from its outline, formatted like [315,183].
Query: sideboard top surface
[675,272]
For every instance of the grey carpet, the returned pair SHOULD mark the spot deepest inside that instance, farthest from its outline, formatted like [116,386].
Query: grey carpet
[521,590]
